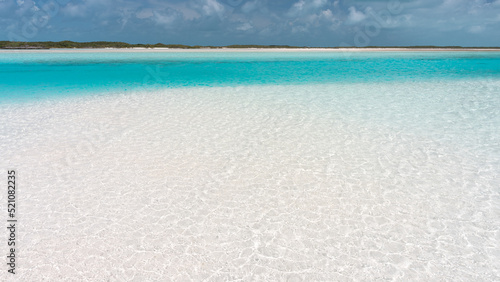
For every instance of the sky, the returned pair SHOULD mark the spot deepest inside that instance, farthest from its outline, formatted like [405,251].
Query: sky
[315,23]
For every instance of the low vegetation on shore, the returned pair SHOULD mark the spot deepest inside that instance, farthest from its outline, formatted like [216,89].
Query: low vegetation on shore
[106,44]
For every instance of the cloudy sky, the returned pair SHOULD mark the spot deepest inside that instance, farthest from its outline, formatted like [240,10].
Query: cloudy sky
[280,22]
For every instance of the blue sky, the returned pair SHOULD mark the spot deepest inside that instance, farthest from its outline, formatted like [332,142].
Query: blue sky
[281,22]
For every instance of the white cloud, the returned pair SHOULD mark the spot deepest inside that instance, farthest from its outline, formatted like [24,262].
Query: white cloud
[306,7]
[355,16]
[212,7]
[166,17]
[75,10]
[327,14]
[245,27]
[250,6]
[297,7]
[319,3]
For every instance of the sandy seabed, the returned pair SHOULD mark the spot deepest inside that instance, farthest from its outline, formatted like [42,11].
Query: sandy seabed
[267,183]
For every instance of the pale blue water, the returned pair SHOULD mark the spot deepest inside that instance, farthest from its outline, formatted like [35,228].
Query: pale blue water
[40,75]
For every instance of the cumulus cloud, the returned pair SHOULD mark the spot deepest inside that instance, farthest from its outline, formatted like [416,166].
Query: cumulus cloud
[251,6]
[355,16]
[166,17]
[305,7]
[312,17]
[212,7]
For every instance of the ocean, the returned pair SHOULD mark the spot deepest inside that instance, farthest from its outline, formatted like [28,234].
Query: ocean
[39,75]
[290,166]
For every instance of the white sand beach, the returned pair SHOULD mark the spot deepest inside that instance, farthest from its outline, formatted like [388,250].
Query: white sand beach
[245,183]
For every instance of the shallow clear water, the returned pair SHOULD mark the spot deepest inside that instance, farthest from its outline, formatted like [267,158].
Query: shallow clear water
[302,167]
[37,75]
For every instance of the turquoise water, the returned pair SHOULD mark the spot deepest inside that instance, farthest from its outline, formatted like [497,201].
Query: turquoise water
[41,75]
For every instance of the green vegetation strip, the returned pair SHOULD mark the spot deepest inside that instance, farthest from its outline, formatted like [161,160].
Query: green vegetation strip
[105,44]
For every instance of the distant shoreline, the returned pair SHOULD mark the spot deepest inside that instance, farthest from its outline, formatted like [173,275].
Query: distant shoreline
[106,46]
[222,50]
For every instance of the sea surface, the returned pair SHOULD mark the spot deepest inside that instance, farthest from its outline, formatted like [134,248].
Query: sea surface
[38,75]
[267,166]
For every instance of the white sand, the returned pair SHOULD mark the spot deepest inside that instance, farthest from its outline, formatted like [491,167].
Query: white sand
[251,183]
